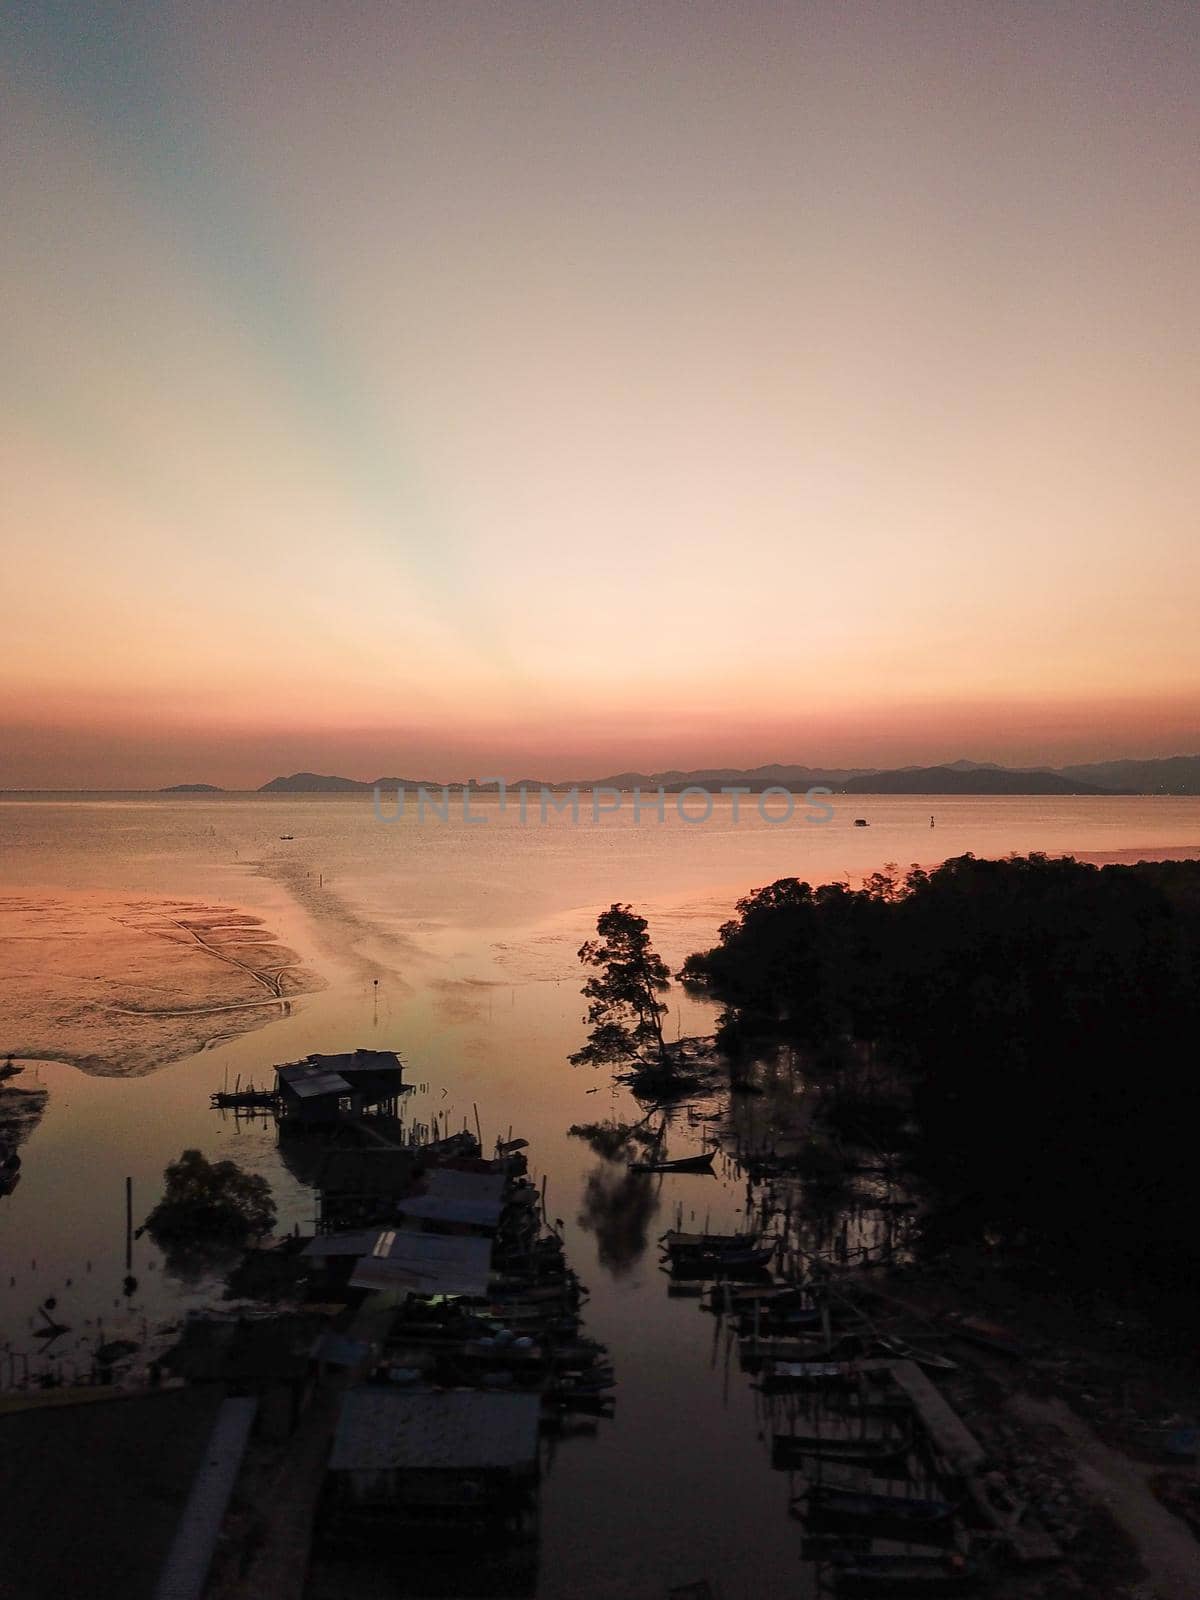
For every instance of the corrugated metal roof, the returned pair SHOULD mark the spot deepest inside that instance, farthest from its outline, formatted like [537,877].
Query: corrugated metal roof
[476,1198]
[307,1081]
[373,1061]
[425,1263]
[383,1430]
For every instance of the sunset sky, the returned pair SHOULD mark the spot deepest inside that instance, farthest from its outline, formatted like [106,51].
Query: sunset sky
[442,388]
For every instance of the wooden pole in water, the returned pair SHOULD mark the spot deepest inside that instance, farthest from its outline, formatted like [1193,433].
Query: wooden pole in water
[478,1129]
[128,1224]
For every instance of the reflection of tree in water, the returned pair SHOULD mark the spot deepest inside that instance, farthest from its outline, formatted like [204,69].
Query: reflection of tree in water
[618,1207]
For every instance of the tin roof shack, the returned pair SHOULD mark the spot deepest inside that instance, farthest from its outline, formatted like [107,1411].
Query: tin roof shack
[457,1202]
[401,1260]
[322,1090]
[363,1186]
[425,1264]
[432,1455]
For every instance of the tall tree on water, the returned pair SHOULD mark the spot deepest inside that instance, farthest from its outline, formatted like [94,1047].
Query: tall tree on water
[625,1014]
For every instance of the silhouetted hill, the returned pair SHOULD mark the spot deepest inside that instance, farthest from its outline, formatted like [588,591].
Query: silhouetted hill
[1170,775]
[975,780]
[319,783]
[193,788]
[753,778]
[313,783]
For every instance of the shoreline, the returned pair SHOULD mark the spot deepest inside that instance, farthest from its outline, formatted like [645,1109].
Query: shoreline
[120,987]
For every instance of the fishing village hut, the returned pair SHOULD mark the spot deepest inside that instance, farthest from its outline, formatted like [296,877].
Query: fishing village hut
[466,1451]
[324,1089]
[425,1264]
[457,1201]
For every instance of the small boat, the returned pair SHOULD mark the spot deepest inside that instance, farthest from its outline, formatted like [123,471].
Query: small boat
[287,835]
[808,1374]
[705,1243]
[683,1164]
[861,822]
[791,1450]
[886,1511]
[721,1262]
[928,1360]
[241,1098]
[767,1295]
[800,1349]
[866,1574]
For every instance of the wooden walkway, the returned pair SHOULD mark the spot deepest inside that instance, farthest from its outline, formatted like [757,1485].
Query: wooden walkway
[949,1435]
[185,1571]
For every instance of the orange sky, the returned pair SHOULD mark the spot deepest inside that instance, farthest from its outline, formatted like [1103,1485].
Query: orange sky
[540,389]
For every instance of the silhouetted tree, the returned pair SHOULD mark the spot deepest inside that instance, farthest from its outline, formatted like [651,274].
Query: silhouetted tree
[205,1200]
[625,1014]
[1037,1016]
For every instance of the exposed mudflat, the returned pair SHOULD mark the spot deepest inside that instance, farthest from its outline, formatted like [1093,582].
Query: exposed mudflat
[119,986]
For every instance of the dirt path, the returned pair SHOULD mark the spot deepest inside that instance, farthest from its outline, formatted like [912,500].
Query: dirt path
[1166,1547]
[264,976]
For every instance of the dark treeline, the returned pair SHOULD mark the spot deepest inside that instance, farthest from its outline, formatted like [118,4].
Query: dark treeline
[1038,1019]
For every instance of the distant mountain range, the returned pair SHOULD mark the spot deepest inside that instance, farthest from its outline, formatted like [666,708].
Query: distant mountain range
[1169,775]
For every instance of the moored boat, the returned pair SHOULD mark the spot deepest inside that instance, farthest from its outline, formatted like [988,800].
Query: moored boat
[911,1518]
[790,1451]
[880,1574]
[701,1163]
[782,1375]
[678,1243]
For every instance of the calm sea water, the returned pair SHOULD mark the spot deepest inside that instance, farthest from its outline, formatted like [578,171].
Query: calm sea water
[454,943]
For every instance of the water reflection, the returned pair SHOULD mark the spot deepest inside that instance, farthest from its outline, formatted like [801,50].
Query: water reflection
[618,1206]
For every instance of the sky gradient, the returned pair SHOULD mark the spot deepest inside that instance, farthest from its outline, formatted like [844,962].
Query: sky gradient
[437,388]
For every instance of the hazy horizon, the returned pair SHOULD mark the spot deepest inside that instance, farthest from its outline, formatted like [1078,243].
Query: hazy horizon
[466,387]
[512,775]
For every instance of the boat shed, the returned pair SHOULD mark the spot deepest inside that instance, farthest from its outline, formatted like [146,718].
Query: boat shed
[433,1447]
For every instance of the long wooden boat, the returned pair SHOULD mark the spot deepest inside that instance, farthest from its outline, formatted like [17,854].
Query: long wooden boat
[866,1574]
[790,1451]
[678,1243]
[683,1164]
[767,1295]
[911,1518]
[783,1375]
[927,1360]
[723,1263]
[763,1350]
